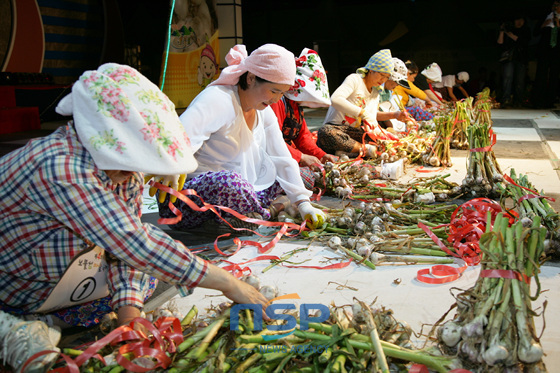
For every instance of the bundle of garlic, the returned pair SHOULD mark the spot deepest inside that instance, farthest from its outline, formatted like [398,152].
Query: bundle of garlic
[482,107]
[484,175]
[439,153]
[268,291]
[494,329]
[530,203]
[461,121]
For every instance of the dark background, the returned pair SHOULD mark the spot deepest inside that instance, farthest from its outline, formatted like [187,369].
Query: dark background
[458,35]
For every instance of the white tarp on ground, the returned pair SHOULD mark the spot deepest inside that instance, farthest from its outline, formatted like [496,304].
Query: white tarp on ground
[395,287]
[391,286]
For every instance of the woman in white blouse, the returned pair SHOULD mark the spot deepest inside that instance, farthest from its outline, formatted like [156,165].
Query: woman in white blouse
[243,161]
[354,110]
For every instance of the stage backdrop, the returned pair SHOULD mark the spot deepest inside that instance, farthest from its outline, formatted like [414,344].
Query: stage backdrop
[193,57]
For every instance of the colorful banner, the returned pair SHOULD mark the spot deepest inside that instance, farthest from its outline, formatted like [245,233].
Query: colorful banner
[188,73]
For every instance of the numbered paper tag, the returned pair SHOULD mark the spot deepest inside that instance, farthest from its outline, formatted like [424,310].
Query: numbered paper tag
[84,280]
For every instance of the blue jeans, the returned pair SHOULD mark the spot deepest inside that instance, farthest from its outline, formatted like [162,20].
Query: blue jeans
[513,81]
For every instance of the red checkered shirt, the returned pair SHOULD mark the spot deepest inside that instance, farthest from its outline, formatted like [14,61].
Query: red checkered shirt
[52,194]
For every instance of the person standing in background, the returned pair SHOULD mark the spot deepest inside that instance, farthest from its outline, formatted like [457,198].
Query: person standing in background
[514,40]
[545,88]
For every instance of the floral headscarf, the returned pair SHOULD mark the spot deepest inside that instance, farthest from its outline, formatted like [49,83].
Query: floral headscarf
[127,123]
[311,88]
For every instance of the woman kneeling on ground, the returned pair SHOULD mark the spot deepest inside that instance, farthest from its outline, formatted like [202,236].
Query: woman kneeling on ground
[73,247]
[243,161]
[354,110]
[311,90]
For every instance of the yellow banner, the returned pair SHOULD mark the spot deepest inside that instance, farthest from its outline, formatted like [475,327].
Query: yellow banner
[188,73]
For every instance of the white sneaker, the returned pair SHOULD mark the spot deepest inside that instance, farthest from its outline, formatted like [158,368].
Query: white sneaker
[25,339]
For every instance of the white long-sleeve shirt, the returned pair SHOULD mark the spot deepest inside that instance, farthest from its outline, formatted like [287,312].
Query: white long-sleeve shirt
[222,140]
[349,99]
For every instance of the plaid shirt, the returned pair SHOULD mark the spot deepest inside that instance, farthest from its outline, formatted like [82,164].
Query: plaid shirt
[52,194]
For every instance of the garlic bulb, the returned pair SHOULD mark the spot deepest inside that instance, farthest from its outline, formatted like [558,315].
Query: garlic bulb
[450,333]
[270,292]
[252,280]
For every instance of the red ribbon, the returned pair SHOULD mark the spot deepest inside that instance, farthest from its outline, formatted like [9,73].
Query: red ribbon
[71,368]
[505,273]
[166,335]
[423,169]
[421,368]
[468,223]
[182,195]
[486,148]
[443,272]
[383,136]
[527,196]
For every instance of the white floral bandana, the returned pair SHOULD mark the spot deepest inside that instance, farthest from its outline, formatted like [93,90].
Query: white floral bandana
[127,123]
[311,88]
[432,72]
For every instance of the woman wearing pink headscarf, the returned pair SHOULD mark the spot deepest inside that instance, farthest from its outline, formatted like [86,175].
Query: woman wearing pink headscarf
[243,161]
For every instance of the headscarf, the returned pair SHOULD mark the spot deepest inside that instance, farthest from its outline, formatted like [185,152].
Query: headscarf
[311,88]
[400,73]
[381,62]
[270,62]
[464,76]
[126,123]
[432,72]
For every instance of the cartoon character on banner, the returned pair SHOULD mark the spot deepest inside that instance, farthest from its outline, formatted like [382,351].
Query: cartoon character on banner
[193,24]
[207,67]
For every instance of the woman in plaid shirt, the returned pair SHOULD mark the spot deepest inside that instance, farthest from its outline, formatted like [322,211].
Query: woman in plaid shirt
[71,205]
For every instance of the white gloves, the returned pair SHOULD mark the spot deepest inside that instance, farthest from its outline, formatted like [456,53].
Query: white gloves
[173,181]
[314,217]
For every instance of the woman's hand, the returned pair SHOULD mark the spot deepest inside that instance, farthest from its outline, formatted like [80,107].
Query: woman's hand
[309,161]
[238,291]
[401,115]
[329,158]
[243,293]
[175,182]
[314,217]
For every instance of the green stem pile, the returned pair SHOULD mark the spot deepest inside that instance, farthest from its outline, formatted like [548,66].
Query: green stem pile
[530,203]
[357,340]
[442,189]
[494,328]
